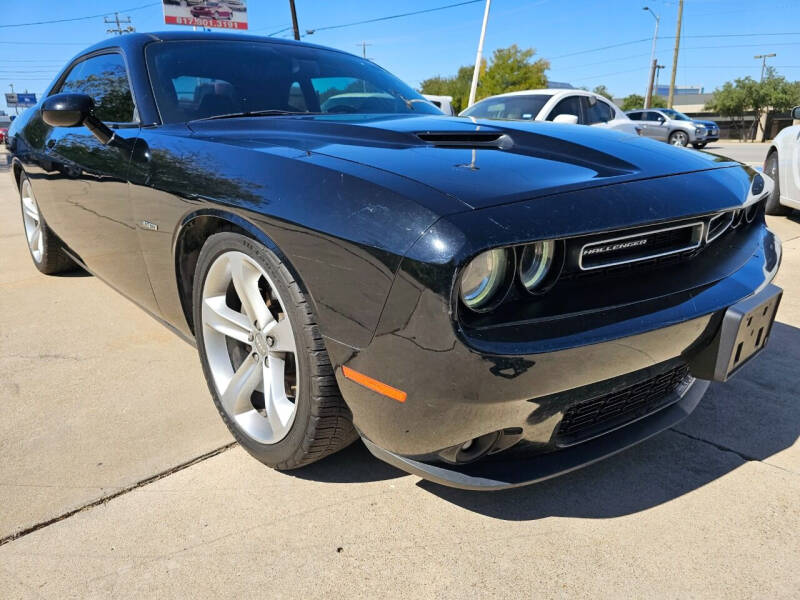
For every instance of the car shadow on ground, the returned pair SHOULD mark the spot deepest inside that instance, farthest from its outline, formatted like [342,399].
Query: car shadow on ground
[752,417]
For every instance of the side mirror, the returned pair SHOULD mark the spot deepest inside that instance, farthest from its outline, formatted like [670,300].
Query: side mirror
[67,110]
[569,119]
[661,119]
[796,112]
[74,110]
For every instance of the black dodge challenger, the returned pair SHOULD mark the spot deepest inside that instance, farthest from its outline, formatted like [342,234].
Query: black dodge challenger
[485,303]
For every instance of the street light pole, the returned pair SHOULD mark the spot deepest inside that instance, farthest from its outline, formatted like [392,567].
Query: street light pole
[649,95]
[474,87]
[764,58]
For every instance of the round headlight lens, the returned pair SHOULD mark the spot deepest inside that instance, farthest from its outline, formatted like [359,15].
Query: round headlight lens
[535,264]
[483,277]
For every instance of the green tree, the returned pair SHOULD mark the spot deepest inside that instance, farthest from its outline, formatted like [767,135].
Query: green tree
[457,87]
[602,90]
[746,95]
[512,69]
[634,101]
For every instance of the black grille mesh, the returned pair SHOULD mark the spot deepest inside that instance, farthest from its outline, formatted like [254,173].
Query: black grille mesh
[591,417]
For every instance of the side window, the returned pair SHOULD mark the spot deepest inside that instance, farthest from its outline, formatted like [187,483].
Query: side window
[571,105]
[653,116]
[635,116]
[599,113]
[105,79]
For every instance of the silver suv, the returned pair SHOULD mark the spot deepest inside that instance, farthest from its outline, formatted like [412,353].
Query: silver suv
[671,126]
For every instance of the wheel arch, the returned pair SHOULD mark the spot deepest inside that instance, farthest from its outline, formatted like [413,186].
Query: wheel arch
[190,237]
[17,170]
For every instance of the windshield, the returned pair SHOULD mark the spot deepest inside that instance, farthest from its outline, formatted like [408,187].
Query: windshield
[197,80]
[518,108]
[674,114]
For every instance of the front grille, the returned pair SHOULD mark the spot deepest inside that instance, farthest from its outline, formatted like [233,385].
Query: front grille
[640,246]
[600,414]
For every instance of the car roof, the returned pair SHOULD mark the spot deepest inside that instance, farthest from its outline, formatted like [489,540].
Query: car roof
[134,41]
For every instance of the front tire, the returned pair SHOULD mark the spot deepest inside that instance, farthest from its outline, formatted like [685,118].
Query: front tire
[699,145]
[773,205]
[263,356]
[45,247]
[678,138]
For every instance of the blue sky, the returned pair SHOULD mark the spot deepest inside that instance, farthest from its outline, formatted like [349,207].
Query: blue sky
[439,42]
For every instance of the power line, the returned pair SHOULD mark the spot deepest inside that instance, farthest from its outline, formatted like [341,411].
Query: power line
[408,14]
[87,17]
[670,37]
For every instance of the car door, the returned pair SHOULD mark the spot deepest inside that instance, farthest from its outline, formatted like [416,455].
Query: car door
[569,105]
[656,125]
[89,191]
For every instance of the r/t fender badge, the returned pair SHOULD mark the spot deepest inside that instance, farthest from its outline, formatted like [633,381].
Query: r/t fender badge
[149,225]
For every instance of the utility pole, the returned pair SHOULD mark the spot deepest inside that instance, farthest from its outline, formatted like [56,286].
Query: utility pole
[764,58]
[294,20]
[119,30]
[364,48]
[658,72]
[675,56]
[16,108]
[474,87]
[649,95]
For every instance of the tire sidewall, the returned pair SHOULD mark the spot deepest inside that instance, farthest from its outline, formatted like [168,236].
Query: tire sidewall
[773,204]
[679,134]
[285,449]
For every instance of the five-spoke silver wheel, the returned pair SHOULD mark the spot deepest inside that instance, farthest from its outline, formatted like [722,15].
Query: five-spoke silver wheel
[678,138]
[250,346]
[32,220]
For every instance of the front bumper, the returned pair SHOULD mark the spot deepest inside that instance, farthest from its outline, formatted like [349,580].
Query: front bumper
[462,388]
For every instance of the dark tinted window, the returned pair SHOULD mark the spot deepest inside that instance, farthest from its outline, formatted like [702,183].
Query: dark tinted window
[635,116]
[238,76]
[508,107]
[600,112]
[653,116]
[571,105]
[105,79]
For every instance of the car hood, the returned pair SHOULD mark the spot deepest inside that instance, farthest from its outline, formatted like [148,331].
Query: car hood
[479,163]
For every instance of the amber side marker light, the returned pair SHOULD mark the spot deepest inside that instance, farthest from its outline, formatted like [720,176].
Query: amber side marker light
[374,384]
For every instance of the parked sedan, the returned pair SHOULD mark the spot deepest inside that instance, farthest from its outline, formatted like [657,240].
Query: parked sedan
[671,126]
[211,10]
[783,166]
[558,105]
[484,303]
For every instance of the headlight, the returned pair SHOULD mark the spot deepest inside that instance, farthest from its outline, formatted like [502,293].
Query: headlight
[537,258]
[483,278]
[699,131]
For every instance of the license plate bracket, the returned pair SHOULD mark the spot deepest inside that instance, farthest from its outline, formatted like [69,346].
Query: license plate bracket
[743,333]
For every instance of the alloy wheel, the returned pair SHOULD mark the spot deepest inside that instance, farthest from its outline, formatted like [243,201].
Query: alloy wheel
[679,139]
[32,220]
[250,347]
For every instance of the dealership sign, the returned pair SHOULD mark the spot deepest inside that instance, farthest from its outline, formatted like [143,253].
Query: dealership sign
[206,13]
[21,100]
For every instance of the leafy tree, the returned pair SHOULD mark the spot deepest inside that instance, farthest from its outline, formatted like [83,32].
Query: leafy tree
[634,101]
[510,69]
[746,95]
[602,90]
[457,87]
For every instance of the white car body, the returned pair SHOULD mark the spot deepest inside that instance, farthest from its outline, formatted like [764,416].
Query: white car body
[787,146]
[580,104]
[443,103]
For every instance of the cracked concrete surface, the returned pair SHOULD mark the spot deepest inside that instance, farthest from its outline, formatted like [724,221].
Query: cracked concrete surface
[112,476]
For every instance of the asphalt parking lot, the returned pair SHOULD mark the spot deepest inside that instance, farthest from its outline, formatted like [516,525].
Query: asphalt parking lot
[117,478]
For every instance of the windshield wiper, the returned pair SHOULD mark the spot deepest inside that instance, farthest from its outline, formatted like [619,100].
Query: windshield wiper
[272,112]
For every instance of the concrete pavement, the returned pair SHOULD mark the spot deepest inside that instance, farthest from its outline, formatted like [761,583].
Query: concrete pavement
[99,400]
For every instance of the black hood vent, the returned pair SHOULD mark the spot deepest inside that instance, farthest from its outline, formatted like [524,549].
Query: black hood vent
[469,139]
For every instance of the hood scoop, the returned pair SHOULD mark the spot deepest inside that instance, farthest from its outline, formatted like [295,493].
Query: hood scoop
[467,139]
